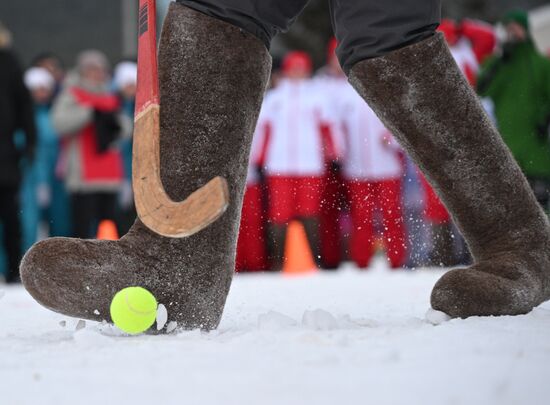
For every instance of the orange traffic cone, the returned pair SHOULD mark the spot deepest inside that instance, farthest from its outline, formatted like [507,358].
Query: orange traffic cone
[107,230]
[298,256]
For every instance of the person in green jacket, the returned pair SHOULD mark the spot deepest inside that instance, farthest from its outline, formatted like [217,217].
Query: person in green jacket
[518,82]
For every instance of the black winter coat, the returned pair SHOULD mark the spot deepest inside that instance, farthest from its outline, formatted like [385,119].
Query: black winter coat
[16,113]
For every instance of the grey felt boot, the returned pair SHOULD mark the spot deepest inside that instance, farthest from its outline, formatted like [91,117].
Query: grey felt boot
[421,96]
[212,80]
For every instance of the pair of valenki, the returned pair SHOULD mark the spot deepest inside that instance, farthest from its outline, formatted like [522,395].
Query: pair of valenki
[212,77]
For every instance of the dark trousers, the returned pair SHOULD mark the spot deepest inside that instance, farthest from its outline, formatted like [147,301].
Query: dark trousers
[9,217]
[364,28]
[91,208]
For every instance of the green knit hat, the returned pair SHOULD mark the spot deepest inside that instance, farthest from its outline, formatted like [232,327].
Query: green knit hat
[518,16]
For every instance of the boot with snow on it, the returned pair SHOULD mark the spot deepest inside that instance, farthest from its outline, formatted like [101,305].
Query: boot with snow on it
[422,97]
[212,81]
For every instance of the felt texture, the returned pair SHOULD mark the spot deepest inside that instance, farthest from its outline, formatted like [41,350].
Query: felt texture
[421,96]
[212,80]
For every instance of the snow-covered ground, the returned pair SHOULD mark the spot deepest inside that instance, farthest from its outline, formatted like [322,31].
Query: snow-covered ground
[344,338]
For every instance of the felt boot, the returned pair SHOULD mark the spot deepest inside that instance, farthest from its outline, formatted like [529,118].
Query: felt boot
[422,97]
[212,80]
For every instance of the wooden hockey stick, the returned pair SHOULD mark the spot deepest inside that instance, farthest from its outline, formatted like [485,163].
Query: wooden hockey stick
[155,209]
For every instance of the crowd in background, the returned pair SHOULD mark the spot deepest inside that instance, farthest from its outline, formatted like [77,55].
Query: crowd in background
[320,156]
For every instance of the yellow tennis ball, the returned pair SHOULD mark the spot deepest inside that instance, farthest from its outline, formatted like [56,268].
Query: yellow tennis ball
[134,310]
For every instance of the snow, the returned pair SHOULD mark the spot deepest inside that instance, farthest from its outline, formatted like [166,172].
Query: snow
[436,317]
[347,337]
[162,316]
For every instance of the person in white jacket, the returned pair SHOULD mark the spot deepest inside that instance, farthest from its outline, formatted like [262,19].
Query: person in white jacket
[373,169]
[296,143]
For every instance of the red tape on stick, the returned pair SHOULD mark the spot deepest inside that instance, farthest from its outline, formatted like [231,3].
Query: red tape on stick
[147,85]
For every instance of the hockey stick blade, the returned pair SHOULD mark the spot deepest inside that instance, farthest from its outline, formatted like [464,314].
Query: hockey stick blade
[155,209]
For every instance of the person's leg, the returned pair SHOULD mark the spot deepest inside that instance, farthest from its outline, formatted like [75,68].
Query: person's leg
[84,210]
[393,222]
[308,205]
[370,28]
[59,212]
[245,237]
[107,205]
[212,80]
[9,216]
[281,211]
[107,209]
[30,209]
[361,210]
[251,246]
[422,97]
[329,220]
[258,257]
[262,18]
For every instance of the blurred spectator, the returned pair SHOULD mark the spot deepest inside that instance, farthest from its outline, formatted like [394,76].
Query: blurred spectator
[15,114]
[331,83]
[125,84]
[87,117]
[296,143]
[53,64]
[518,82]
[373,169]
[45,199]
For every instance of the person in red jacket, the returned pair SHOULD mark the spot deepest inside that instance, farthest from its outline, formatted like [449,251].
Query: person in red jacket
[87,117]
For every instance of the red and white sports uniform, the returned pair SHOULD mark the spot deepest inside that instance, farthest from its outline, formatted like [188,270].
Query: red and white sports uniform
[296,142]
[251,245]
[373,170]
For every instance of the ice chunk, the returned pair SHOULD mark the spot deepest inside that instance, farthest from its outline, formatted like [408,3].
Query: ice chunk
[162,316]
[319,320]
[436,317]
[81,324]
[172,325]
[274,321]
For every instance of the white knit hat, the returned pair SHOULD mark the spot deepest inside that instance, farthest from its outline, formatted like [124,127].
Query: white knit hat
[37,77]
[125,74]
[92,58]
